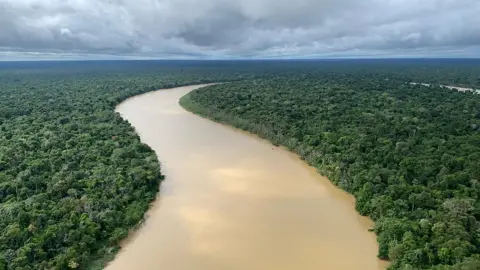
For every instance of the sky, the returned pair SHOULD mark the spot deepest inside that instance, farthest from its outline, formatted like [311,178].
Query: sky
[231,29]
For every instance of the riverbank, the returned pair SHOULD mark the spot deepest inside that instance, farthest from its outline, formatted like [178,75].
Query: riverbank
[372,138]
[232,201]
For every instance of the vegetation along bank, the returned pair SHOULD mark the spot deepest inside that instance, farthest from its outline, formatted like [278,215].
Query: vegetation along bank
[75,178]
[409,153]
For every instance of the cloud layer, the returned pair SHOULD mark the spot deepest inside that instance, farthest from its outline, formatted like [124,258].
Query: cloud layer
[240,28]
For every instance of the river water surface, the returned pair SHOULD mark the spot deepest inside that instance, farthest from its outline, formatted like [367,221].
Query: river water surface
[232,201]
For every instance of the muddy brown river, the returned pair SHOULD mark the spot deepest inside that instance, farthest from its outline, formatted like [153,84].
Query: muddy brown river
[233,201]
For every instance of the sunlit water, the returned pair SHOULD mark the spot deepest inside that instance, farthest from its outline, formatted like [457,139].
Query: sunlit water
[233,201]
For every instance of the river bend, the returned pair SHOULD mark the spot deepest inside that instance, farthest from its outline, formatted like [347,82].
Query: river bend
[233,201]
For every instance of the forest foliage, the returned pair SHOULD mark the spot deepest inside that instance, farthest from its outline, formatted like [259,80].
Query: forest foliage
[410,154]
[75,177]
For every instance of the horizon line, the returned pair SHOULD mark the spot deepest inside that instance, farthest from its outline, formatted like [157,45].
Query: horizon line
[242,59]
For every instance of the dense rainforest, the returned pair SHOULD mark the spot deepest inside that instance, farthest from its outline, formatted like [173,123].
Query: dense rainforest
[75,178]
[410,154]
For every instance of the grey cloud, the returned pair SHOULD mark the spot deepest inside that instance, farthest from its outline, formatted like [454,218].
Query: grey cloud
[240,28]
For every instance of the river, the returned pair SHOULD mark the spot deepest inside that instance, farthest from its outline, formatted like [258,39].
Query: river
[233,201]
[452,87]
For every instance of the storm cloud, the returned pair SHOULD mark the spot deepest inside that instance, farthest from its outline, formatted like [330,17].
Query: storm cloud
[240,28]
